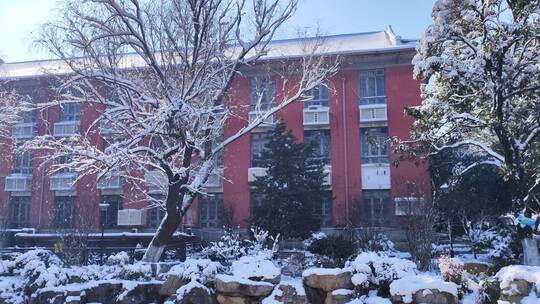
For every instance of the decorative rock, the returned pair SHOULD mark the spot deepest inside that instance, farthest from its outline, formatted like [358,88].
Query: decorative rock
[327,279]
[231,286]
[222,299]
[171,285]
[477,268]
[141,293]
[290,295]
[339,296]
[516,291]
[196,295]
[428,296]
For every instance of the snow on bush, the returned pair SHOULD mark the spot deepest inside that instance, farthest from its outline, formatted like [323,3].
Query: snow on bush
[511,273]
[451,269]
[380,268]
[199,270]
[138,271]
[229,247]
[315,236]
[11,290]
[409,285]
[257,267]
[120,258]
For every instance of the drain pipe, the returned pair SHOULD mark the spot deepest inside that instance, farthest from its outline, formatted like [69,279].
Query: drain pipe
[345,149]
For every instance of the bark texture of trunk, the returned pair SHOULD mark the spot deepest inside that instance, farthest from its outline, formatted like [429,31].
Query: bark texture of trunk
[163,235]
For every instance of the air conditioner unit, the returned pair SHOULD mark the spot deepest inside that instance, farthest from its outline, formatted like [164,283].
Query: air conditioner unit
[373,112]
[132,217]
[254,172]
[317,116]
[18,182]
[63,181]
[375,176]
[111,180]
[66,128]
[23,130]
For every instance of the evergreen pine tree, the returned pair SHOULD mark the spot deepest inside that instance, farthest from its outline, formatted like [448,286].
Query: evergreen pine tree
[292,192]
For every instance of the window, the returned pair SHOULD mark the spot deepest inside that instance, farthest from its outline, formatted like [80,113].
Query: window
[263,92]
[157,213]
[64,160]
[374,146]
[70,112]
[320,97]
[320,141]
[22,163]
[20,210]
[258,146]
[327,211]
[109,217]
[256,202]
[64,212]
[30,95]
[211,211]
[377,206]
[372,87]
[409,205]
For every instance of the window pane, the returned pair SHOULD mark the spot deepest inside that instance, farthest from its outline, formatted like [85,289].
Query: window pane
[63,214]
[262,94]
[372,87]
[20,209]
[210,210]
[258,146]
[320,141]
[374,145]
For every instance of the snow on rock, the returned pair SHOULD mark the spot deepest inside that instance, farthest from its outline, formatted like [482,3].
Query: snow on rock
[120,258]
[323,271]
[11,290]
[407,286]
[370,300]
[232,286]
[327,279]
[360,279]
[507,275]
[257,268]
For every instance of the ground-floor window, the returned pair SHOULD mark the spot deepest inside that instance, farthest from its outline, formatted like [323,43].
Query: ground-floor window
[378,209]
[256,202]
[109,217]
[211,210]
[327,211]
[20,210]
[64,212]
[409,205]
[157,212]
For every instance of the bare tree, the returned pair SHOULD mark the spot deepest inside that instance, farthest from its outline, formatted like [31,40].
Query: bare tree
[160,74]
[12,106]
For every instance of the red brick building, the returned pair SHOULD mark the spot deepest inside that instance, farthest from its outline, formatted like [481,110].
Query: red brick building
[348,120]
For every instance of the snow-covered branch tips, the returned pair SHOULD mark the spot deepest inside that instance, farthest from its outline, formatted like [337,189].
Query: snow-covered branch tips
[158,76]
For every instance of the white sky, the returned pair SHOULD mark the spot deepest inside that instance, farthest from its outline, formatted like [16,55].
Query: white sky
[20,19]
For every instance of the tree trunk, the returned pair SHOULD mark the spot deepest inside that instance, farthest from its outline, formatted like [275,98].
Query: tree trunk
[166,229]
[530,252]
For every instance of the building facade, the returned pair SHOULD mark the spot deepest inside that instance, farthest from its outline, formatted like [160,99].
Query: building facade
[349,121]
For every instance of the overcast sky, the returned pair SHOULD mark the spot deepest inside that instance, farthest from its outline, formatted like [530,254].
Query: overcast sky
[20,18]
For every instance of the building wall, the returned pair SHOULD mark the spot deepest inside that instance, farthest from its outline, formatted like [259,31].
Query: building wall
[345,153]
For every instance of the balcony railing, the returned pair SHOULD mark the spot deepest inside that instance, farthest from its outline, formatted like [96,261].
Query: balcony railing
[215,180]
[63,181]
[18,182]
[110,181]
[66,128]
[253,115]
[316,116]
[375,176]
[373,113]
[23,130]
[255,172]
[156,181]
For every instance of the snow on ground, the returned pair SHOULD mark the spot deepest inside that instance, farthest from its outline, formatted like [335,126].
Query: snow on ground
[255,266]
[408,285]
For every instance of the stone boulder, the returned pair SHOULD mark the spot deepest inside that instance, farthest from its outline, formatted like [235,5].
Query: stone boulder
[327,279]
[233,287]
[339,296]
[478,268]
[290,294]
[193,293]
[516,291]
[102,292]
[140,292]
[428,296]
[171,285]
[319,284]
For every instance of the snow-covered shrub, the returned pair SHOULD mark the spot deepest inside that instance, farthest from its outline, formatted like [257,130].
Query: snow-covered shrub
[40,268]
[336,249]
[120,258]
[256,267]
[451,269]
[6,267]
[229,247]
[504,245]
[380,269]
[11,290]
[137,271]
[372,240]
[200,270]
[262,242]
[315,236]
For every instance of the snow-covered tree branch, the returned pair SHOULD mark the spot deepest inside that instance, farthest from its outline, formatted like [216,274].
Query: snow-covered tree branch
[480,61]
[159,73]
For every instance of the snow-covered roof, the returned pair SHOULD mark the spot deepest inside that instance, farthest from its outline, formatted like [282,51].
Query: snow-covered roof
[344,44]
